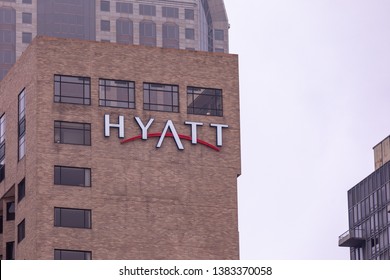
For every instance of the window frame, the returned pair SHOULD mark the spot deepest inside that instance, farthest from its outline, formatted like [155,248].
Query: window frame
[60,181]
[22,124]
[105,6]
[148,90]
[59,216]
[85,130]
[213,111]
[10,255]
[121,10]
[130,87]
[21,189]
[21,230]
[147,10]
[85,85]
[58,252]
[10,216]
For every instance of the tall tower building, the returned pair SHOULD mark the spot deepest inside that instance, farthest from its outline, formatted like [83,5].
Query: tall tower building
[185,24]
[369,211]
[128,149]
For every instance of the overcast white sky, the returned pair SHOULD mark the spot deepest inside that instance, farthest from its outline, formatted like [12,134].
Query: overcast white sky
[315,96]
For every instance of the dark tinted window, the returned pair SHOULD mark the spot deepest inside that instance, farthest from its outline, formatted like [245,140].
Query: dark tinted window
[114,93]
[21,231]
[170,12]
[11,211]
[72,176]
[204,101]
[72,255]
[170,35]
[21,190]
[126,8]
[159,97]
[190,33]
[189,14]
[27,18]
[22,124]
[75,218]
[10,251]
[147,10]
[1,224]
[124,31]
[105,6]
[72,133]
[147,33]
[68,89]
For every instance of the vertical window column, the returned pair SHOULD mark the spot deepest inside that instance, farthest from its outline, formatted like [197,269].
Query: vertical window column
[22,125]
[2,148]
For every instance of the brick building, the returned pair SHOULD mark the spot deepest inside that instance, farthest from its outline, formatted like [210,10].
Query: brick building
[111,151]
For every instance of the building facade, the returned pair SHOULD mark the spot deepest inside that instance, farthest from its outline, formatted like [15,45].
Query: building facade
[113,156]
[185,24]
[369,211]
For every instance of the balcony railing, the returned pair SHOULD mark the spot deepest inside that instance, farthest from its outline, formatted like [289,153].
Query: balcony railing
[351,238]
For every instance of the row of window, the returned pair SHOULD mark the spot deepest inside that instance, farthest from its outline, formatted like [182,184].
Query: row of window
[146,10]
[121,94]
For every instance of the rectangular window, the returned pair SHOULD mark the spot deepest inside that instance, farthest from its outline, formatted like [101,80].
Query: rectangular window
[219,50]
[189,14]
[72,176]
[27,2]
[74,218]
[1,224]
[105,25]
[125,8]
[159,97]
[105,6]
[170,12]
[147,10]
[26,37]
[190,33]
[72,133]
[21,190]
[2,148]
[22,124]
[219,34]
[115,93]
[204,101]
[11,211]
[75,90]
[21,230]
[10,251]
[27,18]
[60,254]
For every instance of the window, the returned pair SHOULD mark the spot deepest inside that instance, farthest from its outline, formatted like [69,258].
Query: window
[74,218]
[159,97]
[105,25]
[114,93]
[2,148]
[147,10]
[170,35]
[72,133]
[189,14]
[22,124]
[27,18]
[27,1]
[21,190]
[219,50]
[105,6]
[75,90]
[125,8]
[72,176]
[204,101]
[10,251]
[190,33]
[124,31]
[218,34]
[147,33]
[72,255]
[26,37]
[11,211]
[170,12]
[1,224]
[21,231]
